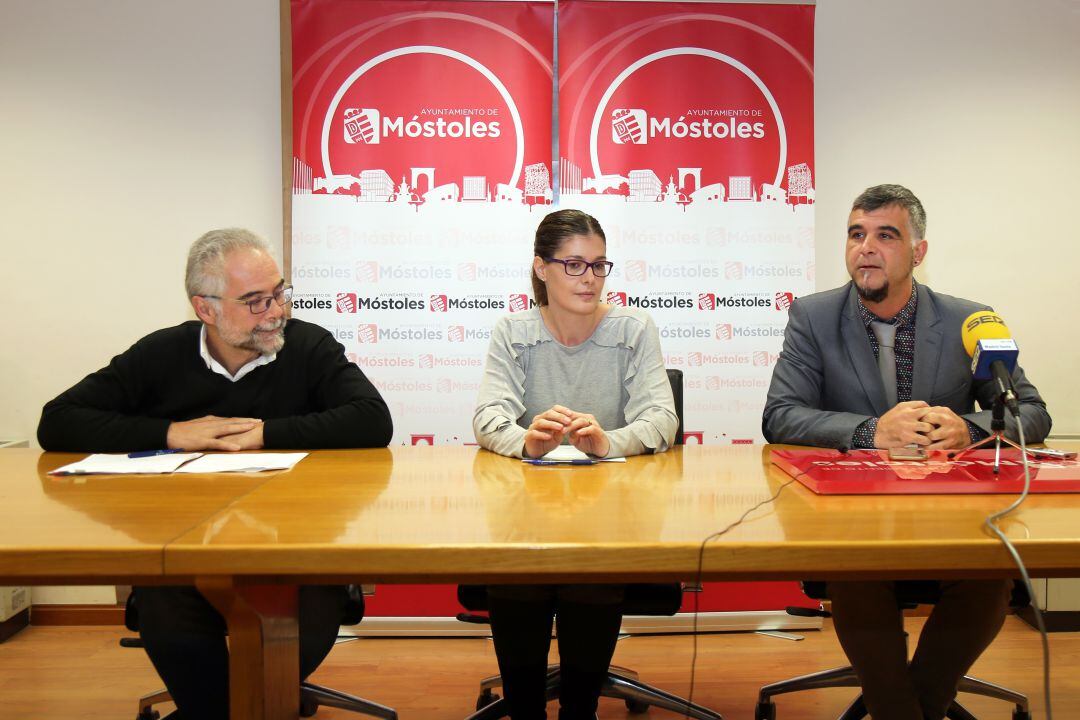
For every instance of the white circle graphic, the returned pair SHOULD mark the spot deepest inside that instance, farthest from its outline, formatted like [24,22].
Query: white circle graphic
[519,159]
[674,52]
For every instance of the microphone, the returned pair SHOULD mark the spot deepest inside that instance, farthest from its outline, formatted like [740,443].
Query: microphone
[993,353]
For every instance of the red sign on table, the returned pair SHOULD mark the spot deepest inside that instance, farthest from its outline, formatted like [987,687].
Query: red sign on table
[871,472]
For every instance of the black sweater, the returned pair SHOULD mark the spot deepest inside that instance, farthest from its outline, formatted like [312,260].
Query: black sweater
[310,396]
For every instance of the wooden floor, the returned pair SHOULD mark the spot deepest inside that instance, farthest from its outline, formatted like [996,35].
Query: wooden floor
[57,672]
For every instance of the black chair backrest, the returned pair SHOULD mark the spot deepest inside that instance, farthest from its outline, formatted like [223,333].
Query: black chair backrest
[676,379]
[473,597]
[131,613]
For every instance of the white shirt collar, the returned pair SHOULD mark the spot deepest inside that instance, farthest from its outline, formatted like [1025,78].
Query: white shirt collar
[214,366]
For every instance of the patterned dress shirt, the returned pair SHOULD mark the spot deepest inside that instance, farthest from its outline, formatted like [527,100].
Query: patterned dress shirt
[904,347]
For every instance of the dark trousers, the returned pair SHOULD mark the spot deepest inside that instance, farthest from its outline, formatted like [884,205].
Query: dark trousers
[587,619]
[185,639]
[870,627]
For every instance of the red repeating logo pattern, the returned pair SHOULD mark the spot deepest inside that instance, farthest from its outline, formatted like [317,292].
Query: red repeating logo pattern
[367,271]
[385,157]
[337,235]
[346,302]
[466,271]
[518,302]
[637,271]
[362,125]
[628,126]
[367,333]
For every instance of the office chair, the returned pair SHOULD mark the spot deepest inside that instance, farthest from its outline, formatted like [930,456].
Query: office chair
[655,599]
[311,695]
[675,378]
[909,594]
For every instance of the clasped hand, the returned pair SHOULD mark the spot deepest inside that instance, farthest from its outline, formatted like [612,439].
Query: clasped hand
[918,423]
[216,433]
[547,430]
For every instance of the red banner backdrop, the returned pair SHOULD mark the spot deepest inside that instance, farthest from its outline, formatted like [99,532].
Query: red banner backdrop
[422,142]
[463,88]
[724,89]
[441,600]
[687,129]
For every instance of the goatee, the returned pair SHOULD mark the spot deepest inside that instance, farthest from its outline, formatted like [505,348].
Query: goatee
[873,295]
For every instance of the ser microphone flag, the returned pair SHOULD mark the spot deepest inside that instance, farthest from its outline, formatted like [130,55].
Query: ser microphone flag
[993,352]
[987,339]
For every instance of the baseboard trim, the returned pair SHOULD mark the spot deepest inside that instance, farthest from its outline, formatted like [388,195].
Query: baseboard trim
[711,622]
[14,624]
[76,614]
[708,622]
[1054,620]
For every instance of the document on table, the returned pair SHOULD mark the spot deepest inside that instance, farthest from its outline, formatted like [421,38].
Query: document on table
[102,464]
[242,462]
[569,455]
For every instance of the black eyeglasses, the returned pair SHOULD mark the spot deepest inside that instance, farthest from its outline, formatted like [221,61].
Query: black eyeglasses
[574,267]
[282,296]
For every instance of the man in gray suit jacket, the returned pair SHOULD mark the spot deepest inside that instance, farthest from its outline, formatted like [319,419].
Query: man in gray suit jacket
[879,363]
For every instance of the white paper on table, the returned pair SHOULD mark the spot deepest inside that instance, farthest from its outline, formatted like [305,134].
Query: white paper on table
[242,462]
[103,464]
[569,453]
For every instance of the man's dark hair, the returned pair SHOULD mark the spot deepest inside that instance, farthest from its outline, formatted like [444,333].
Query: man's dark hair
[880,196]
[550,235]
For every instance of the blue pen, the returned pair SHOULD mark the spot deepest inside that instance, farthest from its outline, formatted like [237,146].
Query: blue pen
[152,453]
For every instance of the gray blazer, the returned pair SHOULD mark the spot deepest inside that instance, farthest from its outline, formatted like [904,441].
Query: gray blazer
[826,381]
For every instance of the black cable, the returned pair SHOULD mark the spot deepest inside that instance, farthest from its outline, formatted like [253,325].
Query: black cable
[701,562]
[991,524]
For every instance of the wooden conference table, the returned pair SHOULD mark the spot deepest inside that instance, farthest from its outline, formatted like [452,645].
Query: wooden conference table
[453,514]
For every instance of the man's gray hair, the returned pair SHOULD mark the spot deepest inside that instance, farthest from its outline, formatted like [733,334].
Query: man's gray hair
[206,259]
[880,196]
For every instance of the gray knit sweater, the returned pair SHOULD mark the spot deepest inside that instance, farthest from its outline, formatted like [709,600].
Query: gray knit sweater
[617,375]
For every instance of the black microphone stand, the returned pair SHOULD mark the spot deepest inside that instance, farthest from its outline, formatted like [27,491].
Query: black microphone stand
[997,436]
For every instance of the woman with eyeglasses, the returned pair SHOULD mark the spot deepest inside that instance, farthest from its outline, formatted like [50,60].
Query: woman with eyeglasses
[577,371]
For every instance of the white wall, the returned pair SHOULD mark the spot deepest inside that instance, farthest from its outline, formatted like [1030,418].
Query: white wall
[129,128]
[975,106]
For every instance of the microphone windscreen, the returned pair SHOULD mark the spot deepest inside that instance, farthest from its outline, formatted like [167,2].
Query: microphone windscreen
[983,325]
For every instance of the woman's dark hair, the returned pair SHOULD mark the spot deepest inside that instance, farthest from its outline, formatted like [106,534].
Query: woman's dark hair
[550,235]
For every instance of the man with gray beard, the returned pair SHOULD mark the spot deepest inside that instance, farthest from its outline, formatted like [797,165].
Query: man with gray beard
[244,376]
